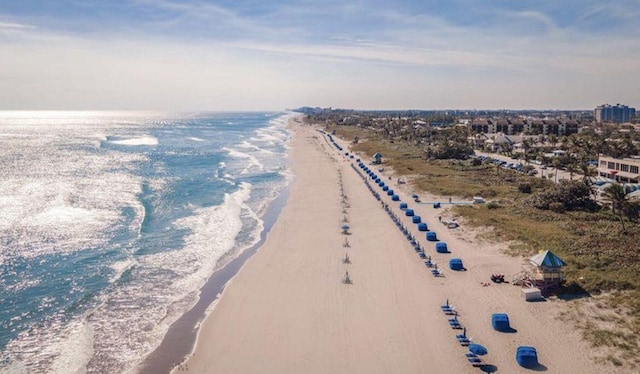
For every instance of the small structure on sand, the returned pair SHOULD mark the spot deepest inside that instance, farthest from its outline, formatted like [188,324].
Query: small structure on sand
[377,158]
[542,274]
[546,270]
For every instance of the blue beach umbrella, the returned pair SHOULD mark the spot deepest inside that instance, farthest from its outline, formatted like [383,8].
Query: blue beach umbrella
[478,349]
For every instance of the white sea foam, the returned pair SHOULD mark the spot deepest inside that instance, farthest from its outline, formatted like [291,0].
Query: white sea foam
[73,353]
[195,139]
[119,268]
[252,160]
[246,145]
[143,140]
[164,285]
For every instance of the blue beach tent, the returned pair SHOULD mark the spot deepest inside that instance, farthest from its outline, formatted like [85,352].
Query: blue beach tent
[409,213]
[422,227]
[385,188]
[441,247]
[431,236]
[500,322]
[390,192]
[381,184]
[456,264]
[395,198]
[416,219]
[527,356]
[403,206]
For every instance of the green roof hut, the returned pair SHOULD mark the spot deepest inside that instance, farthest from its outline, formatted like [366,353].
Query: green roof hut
[547,270]
[377,158]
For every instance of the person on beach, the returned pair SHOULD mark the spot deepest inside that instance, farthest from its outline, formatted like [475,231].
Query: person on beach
[449,200]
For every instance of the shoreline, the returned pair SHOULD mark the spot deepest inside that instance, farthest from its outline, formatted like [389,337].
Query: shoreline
[181,338]
[288,311]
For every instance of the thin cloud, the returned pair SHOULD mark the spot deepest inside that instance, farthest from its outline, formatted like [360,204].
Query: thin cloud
[170,54]
[19,26]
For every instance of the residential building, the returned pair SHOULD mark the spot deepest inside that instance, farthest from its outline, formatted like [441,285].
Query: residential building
[513,126]
[626,170]
[614,113]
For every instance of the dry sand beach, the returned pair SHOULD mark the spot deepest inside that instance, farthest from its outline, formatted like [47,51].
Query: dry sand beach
[288,311]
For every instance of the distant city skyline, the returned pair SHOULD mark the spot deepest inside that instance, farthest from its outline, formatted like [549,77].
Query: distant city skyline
[270,55]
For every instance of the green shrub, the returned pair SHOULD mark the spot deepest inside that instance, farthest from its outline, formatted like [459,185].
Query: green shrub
[524,188]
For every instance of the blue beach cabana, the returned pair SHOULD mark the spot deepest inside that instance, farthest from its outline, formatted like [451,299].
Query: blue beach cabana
[385,188]
[423,227]
[527,356]
[456,264]
[416,219]
[395,197]
[403,206]
[409,213]
[500,322]
[390,192]
[431,236]
[441,247]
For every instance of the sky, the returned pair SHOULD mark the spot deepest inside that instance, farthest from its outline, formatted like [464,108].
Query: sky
[228,55]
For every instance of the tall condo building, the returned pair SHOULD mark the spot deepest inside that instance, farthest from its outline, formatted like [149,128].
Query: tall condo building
[614,113]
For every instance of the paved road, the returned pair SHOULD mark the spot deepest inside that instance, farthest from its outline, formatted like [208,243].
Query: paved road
[550,170]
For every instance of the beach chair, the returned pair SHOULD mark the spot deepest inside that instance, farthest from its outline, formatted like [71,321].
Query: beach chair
[464,341]
[435,272]
[449,311]
[422,255]
[455,325]
[428,263]
[475,361]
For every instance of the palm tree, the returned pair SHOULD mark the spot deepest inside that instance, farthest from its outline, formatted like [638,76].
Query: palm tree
[556,164]
[619,200]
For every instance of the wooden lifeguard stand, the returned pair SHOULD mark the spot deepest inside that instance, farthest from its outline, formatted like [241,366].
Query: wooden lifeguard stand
[546,271]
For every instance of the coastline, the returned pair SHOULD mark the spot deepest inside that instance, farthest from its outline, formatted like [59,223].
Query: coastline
[288,310]
[181,338]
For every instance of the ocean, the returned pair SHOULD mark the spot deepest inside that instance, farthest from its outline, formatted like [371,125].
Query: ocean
[111,223]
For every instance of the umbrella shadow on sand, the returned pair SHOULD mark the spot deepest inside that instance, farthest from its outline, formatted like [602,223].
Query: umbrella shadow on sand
[488,368]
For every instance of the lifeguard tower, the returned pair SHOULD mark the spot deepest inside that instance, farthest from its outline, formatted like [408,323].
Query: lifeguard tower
[546,271]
